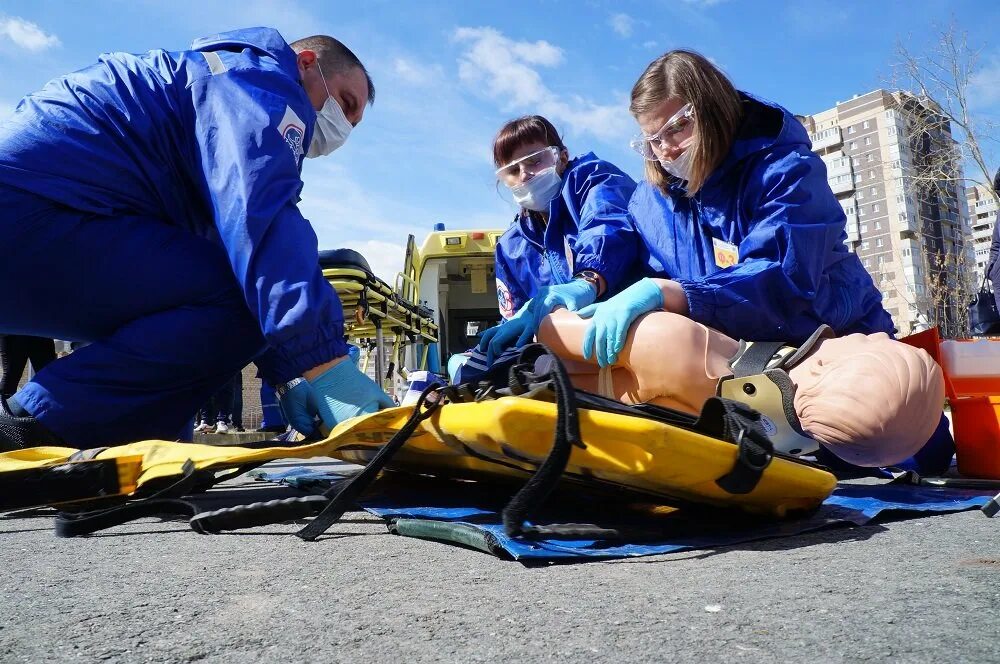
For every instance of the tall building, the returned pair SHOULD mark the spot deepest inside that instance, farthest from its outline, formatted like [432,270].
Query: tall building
[880,149]
[983,215]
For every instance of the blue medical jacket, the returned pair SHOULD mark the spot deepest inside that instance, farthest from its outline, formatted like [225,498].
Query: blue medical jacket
[210,139]
[769,200]
[588,229]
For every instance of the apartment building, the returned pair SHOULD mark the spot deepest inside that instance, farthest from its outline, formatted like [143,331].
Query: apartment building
[982,206]
[910,238]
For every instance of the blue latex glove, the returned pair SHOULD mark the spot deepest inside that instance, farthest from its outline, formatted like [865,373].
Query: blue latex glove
[520,329]
[297,405]
[612,319]
[354,353]
[342,392]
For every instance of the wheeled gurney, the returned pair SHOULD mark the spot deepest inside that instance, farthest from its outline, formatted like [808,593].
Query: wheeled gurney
[373,309]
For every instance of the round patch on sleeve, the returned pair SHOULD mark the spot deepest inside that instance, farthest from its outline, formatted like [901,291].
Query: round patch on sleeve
[504,300]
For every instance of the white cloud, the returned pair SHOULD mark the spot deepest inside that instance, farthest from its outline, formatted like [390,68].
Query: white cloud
[507,71]
[622,24]
[414,73]
[26,34]
[489,41]
[651,44]
[704,3]
[347,209]
[335,202]
[984,86]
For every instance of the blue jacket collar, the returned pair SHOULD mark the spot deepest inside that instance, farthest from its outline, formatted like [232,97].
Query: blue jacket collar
[264,40]
[765,126]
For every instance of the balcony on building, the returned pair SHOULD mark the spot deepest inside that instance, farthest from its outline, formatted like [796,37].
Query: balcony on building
[986,206]
[826,138]
[853,232]
[982,233]
[909,227]
[839,172]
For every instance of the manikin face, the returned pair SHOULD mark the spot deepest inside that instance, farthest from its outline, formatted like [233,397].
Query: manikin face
[871,400]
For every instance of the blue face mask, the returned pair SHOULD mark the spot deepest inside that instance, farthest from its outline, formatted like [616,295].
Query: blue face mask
[538,192]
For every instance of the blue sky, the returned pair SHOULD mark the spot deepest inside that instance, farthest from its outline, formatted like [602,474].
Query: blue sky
[449,74]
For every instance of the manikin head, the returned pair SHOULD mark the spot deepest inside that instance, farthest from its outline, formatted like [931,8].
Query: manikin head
[869,399]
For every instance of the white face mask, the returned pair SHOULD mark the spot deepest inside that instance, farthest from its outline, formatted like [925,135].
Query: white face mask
[332,126]
[538,192]
[681,166]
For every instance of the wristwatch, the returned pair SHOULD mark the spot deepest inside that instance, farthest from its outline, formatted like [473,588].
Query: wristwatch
[590,277]
[284,388]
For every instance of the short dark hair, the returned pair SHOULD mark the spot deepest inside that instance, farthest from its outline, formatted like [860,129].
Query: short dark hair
[520,132]
[334,56]
[996,181]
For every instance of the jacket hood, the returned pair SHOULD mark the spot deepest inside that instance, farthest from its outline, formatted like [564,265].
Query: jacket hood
[765,125]
[263,40]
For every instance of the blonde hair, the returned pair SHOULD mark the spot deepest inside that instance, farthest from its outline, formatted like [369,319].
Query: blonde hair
[717,110]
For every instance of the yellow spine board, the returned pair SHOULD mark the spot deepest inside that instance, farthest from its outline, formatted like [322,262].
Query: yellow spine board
[512,436]
[508,437]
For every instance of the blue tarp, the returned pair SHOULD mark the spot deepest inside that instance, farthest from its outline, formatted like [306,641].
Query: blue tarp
[475,508]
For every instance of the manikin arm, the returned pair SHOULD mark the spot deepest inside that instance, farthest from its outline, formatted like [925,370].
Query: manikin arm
[668,359]
[868,398]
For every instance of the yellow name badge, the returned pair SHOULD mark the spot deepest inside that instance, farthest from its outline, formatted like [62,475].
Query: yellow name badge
[726,253]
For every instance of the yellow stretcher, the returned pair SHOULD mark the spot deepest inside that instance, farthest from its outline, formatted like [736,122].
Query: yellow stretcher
[507,437]
[374,310]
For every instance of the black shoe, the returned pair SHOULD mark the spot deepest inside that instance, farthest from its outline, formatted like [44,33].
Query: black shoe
[19,432]
[274,428]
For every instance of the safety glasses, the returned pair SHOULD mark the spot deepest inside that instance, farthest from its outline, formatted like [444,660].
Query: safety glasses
[530,164]
[674,132]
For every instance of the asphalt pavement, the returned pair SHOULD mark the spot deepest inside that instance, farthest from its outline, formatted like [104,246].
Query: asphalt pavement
[919,590]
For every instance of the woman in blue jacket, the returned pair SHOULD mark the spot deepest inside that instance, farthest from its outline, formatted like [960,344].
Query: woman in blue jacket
[739,228]
[572,240]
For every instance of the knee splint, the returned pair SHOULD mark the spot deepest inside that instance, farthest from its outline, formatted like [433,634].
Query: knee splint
[483,431]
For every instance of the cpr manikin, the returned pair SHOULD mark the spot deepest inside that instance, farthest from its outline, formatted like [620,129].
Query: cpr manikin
[870,400]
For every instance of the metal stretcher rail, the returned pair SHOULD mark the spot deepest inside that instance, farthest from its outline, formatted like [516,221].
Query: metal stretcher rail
[371,307]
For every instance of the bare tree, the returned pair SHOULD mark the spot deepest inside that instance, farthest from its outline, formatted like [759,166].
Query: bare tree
[941,153]
[940,82]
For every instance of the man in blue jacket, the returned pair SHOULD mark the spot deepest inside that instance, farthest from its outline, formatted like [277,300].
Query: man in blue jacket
[148,204]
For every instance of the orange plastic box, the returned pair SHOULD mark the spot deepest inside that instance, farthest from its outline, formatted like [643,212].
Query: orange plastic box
[975,408]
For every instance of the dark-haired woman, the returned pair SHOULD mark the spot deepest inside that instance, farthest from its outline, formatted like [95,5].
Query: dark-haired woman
[572,241]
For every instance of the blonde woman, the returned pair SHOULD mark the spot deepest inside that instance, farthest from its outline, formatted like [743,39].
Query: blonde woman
[739,228]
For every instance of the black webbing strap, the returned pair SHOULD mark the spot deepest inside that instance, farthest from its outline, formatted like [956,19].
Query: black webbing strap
[567,433]
[740,424]
[165,501]
[49,485]
[343,498]
[94,521]
[755,359]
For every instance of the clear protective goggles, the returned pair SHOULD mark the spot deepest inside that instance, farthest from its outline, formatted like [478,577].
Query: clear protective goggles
[673,132]
[530,164]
